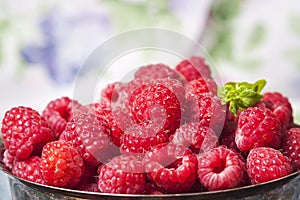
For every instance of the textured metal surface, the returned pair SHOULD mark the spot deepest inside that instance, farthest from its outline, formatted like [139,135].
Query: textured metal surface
[287,188]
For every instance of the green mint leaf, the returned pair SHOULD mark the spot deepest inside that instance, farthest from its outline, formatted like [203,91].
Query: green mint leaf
[241,95]
[259,85]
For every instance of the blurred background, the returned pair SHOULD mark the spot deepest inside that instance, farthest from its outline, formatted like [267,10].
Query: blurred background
[44,43]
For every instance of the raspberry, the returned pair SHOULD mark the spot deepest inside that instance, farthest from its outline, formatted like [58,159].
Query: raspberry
[8,160]
[172,168]
[227,136]
[194,68]
[89,175]
[58,112]
[122,175]
[220,168]
[25,132]
[90,187]
[103,113]
[118,115]
[109,93]
[29,169]
[139,138]
[124,91]
[90,137]
[276,97]
[291,146]
[156,71]
[200,86]
[208,110]
[257,127]
[151,189]
[196,137]
[160,102]
[281,107]
[116,120]
[61,164]
[265,164]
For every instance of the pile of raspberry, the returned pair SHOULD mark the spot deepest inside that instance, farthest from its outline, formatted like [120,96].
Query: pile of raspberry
[168,130]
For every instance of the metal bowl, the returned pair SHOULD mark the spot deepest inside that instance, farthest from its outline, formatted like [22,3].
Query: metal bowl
[285,188]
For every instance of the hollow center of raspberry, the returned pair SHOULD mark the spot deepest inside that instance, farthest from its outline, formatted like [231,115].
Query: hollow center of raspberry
[218,167]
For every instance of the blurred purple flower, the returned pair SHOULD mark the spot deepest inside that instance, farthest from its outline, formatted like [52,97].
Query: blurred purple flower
[68,38]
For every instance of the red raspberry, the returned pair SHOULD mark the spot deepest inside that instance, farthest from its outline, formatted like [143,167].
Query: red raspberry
[118,115]
[172,168]
[160,102]
[103,113]
[257,127]
[122,175]
[89,187]
[123,92]
[152,189]
[220,168]
[139,138]
[25,132]
[88,176]
[8,159]
[194,68]
[156,71]
[90,137]
[281,107]
[29,169]
[208,110]
[275,98]
[227,136]
[116,120]
[110,93]
[196,137]
[265,164]
[58,112]
[290,145]
[99,110]
[61,164]
[200,86]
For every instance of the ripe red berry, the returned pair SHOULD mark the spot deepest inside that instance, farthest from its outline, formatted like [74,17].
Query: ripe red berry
[122,175]
[156,71]
[58,112]
[89,187]
[90,137]
[61,164]
[171,167]
[291,146]
[139,138]
[220,168]
[118,115]
[159,102]
[257,127]
[227,136]
[196,137]
[8,160]
[29,169]
[194,68]
[281,107]
[200,86]
[207,110]
[110,93]
[265,164]
[25,132]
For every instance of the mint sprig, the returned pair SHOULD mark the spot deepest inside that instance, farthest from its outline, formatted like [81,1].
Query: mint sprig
[241,95]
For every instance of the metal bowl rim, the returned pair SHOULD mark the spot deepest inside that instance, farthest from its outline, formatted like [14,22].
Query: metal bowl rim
[26,182]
